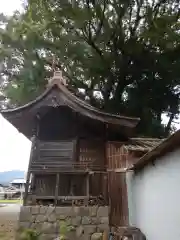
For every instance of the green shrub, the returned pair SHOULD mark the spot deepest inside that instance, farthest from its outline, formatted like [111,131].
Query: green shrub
[64,230]
[29,234]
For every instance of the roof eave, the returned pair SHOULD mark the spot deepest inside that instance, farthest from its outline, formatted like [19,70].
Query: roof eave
[166,146]
[89,110]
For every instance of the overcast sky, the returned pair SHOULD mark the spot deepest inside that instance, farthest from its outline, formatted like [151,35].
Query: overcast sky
[14,147]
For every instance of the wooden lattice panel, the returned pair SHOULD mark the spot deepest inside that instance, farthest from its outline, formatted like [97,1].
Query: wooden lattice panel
[91,152]
[117,155]
[45,185]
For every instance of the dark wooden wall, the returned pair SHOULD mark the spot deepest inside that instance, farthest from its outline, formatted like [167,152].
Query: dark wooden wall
[45,185]
[62,123]
[57,124]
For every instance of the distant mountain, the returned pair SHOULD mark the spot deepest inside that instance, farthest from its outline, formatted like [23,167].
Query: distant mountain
[7,177]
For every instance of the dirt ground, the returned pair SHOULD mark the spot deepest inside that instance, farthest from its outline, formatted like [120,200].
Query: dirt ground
[7,229]
[9,216]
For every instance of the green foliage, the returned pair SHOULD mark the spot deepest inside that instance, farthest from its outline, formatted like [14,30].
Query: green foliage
[64,230]
[127,49]
[29,234]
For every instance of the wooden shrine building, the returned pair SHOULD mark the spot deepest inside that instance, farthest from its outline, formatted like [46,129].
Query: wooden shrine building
[71,161]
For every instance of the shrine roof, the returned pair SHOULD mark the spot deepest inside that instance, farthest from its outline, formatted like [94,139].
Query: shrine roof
[57,95]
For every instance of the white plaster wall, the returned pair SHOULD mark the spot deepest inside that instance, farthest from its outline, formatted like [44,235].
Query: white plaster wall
[154,199]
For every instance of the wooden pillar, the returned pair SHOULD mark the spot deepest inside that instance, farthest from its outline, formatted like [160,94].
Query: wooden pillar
[105,176]
[33,148]
[87,189]
[77,145]
[32,155]
[57,189]
[33,183]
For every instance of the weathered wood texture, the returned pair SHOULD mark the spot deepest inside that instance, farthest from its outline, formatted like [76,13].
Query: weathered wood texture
[54,156]
[61,156]
[117,157]
[118,199]
[72,185]
[45,185]
[92,153]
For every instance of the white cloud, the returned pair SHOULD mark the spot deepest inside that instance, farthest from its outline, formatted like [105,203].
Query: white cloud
[9,6]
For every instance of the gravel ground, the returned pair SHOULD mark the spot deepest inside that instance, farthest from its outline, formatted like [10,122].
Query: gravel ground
[9,216]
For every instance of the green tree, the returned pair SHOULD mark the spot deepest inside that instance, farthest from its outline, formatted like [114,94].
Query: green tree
[126,49]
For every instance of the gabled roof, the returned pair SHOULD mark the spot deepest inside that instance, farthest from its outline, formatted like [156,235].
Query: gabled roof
[166,146]
[57,95]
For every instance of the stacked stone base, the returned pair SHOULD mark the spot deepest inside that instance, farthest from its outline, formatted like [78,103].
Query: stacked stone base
[84,223]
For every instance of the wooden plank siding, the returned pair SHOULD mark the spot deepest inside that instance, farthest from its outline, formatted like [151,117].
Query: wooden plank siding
[62,156]
[117,157]
[93,152]
[85,169]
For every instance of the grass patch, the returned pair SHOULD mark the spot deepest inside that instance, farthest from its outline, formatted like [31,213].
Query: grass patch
[2,201]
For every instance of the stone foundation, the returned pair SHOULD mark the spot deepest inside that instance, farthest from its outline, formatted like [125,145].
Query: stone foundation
[84,223]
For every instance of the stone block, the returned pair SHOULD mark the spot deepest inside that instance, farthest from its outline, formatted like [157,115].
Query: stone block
[48,236]
[86,220]
[43,209]
[74,211]
[37,226]
[93,211]
[35,210]
[84,211]
[25,209]
[95,220]
[76,221]
[65,211]
[40,218]
[25,214]
[103,212]
[50,210]
[103,228]
[32,218]
[104,220]
[52,217]
[61,217]
[79,231]
[49,228]
[71,235]
[85,237]
[89,229]
[97,236]
[24,225]
[68,221]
